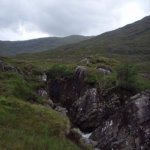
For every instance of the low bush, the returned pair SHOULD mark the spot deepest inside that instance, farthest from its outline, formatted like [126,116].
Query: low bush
[126,76]
[59,70]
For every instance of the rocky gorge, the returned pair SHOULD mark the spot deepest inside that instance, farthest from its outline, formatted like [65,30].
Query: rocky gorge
[109,121]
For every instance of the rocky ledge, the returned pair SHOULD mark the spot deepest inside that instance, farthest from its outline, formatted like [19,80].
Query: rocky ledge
[115,121]
[128,128]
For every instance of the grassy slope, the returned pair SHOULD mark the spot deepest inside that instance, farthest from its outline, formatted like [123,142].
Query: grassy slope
[128,43]
[37,45]
[24,125]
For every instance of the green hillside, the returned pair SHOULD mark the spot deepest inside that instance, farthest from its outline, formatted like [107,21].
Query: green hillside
[129,40]
[37,45]
[27,122]
[131,43]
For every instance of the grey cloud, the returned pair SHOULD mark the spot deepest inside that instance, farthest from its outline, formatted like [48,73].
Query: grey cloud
[64,17]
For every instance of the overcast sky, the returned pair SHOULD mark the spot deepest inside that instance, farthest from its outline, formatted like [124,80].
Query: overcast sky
[28,19]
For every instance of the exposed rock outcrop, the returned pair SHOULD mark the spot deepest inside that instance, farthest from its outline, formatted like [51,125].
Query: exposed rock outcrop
[84,103]
[90,110]
[119,122]
[104,71]
[68,90]
[42,92]
[80,72]
[61,109]
[85,61]
[85,111]
[6,67]
[128,128]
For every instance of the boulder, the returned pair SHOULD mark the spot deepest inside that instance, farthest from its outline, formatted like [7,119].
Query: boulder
[6,67]
[61,109]
[90,109]
[42,92]
[85,61]
[80,72]
[67,90]
[84,111]
[50,103]
[104,71]
[128,128]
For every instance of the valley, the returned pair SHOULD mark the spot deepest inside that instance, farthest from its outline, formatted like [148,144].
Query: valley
[92,93]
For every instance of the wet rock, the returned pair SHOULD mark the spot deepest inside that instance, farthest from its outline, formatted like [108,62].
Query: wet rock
[128,128]
[91,108]
[80,137]
[67,90]
[61,109]
[86,140]
[84,112]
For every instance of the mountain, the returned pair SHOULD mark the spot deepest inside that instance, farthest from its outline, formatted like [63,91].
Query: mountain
[37,45]
[132,40]
[129,39]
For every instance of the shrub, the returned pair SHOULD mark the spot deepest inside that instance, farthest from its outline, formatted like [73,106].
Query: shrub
[58,71]
[126,75]
[104,83]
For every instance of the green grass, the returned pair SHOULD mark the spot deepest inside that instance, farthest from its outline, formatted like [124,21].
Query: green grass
[60,70]
[14,84]
[24,126]
[28,126]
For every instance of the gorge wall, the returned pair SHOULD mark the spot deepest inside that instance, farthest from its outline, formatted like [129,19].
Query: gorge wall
[114,125]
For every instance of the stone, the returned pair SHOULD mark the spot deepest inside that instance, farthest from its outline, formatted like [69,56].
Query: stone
[84,111]
[85,61]
[128,128]
[91,108]
[104,71]
[42,92]
[50,103]
[68,90]
[44,77]
[6,67]
[80,72]
[62,110]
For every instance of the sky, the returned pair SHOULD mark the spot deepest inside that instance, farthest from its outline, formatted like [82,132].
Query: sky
[29,19]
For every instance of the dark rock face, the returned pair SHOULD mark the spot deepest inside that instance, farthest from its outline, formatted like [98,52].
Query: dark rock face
[7,67]
[90,110]
[66,90]
[128,128]
[84,103]
[80,72]
[85,111]
[117,125]
[61,109]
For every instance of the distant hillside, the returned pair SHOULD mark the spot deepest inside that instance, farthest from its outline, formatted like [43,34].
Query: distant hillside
[37,45]
[132,39]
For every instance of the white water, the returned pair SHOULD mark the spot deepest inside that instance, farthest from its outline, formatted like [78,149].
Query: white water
[86,135]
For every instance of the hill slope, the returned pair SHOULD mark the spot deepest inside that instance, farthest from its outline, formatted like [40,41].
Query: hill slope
[129,39]
[37,45]
[132,39]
